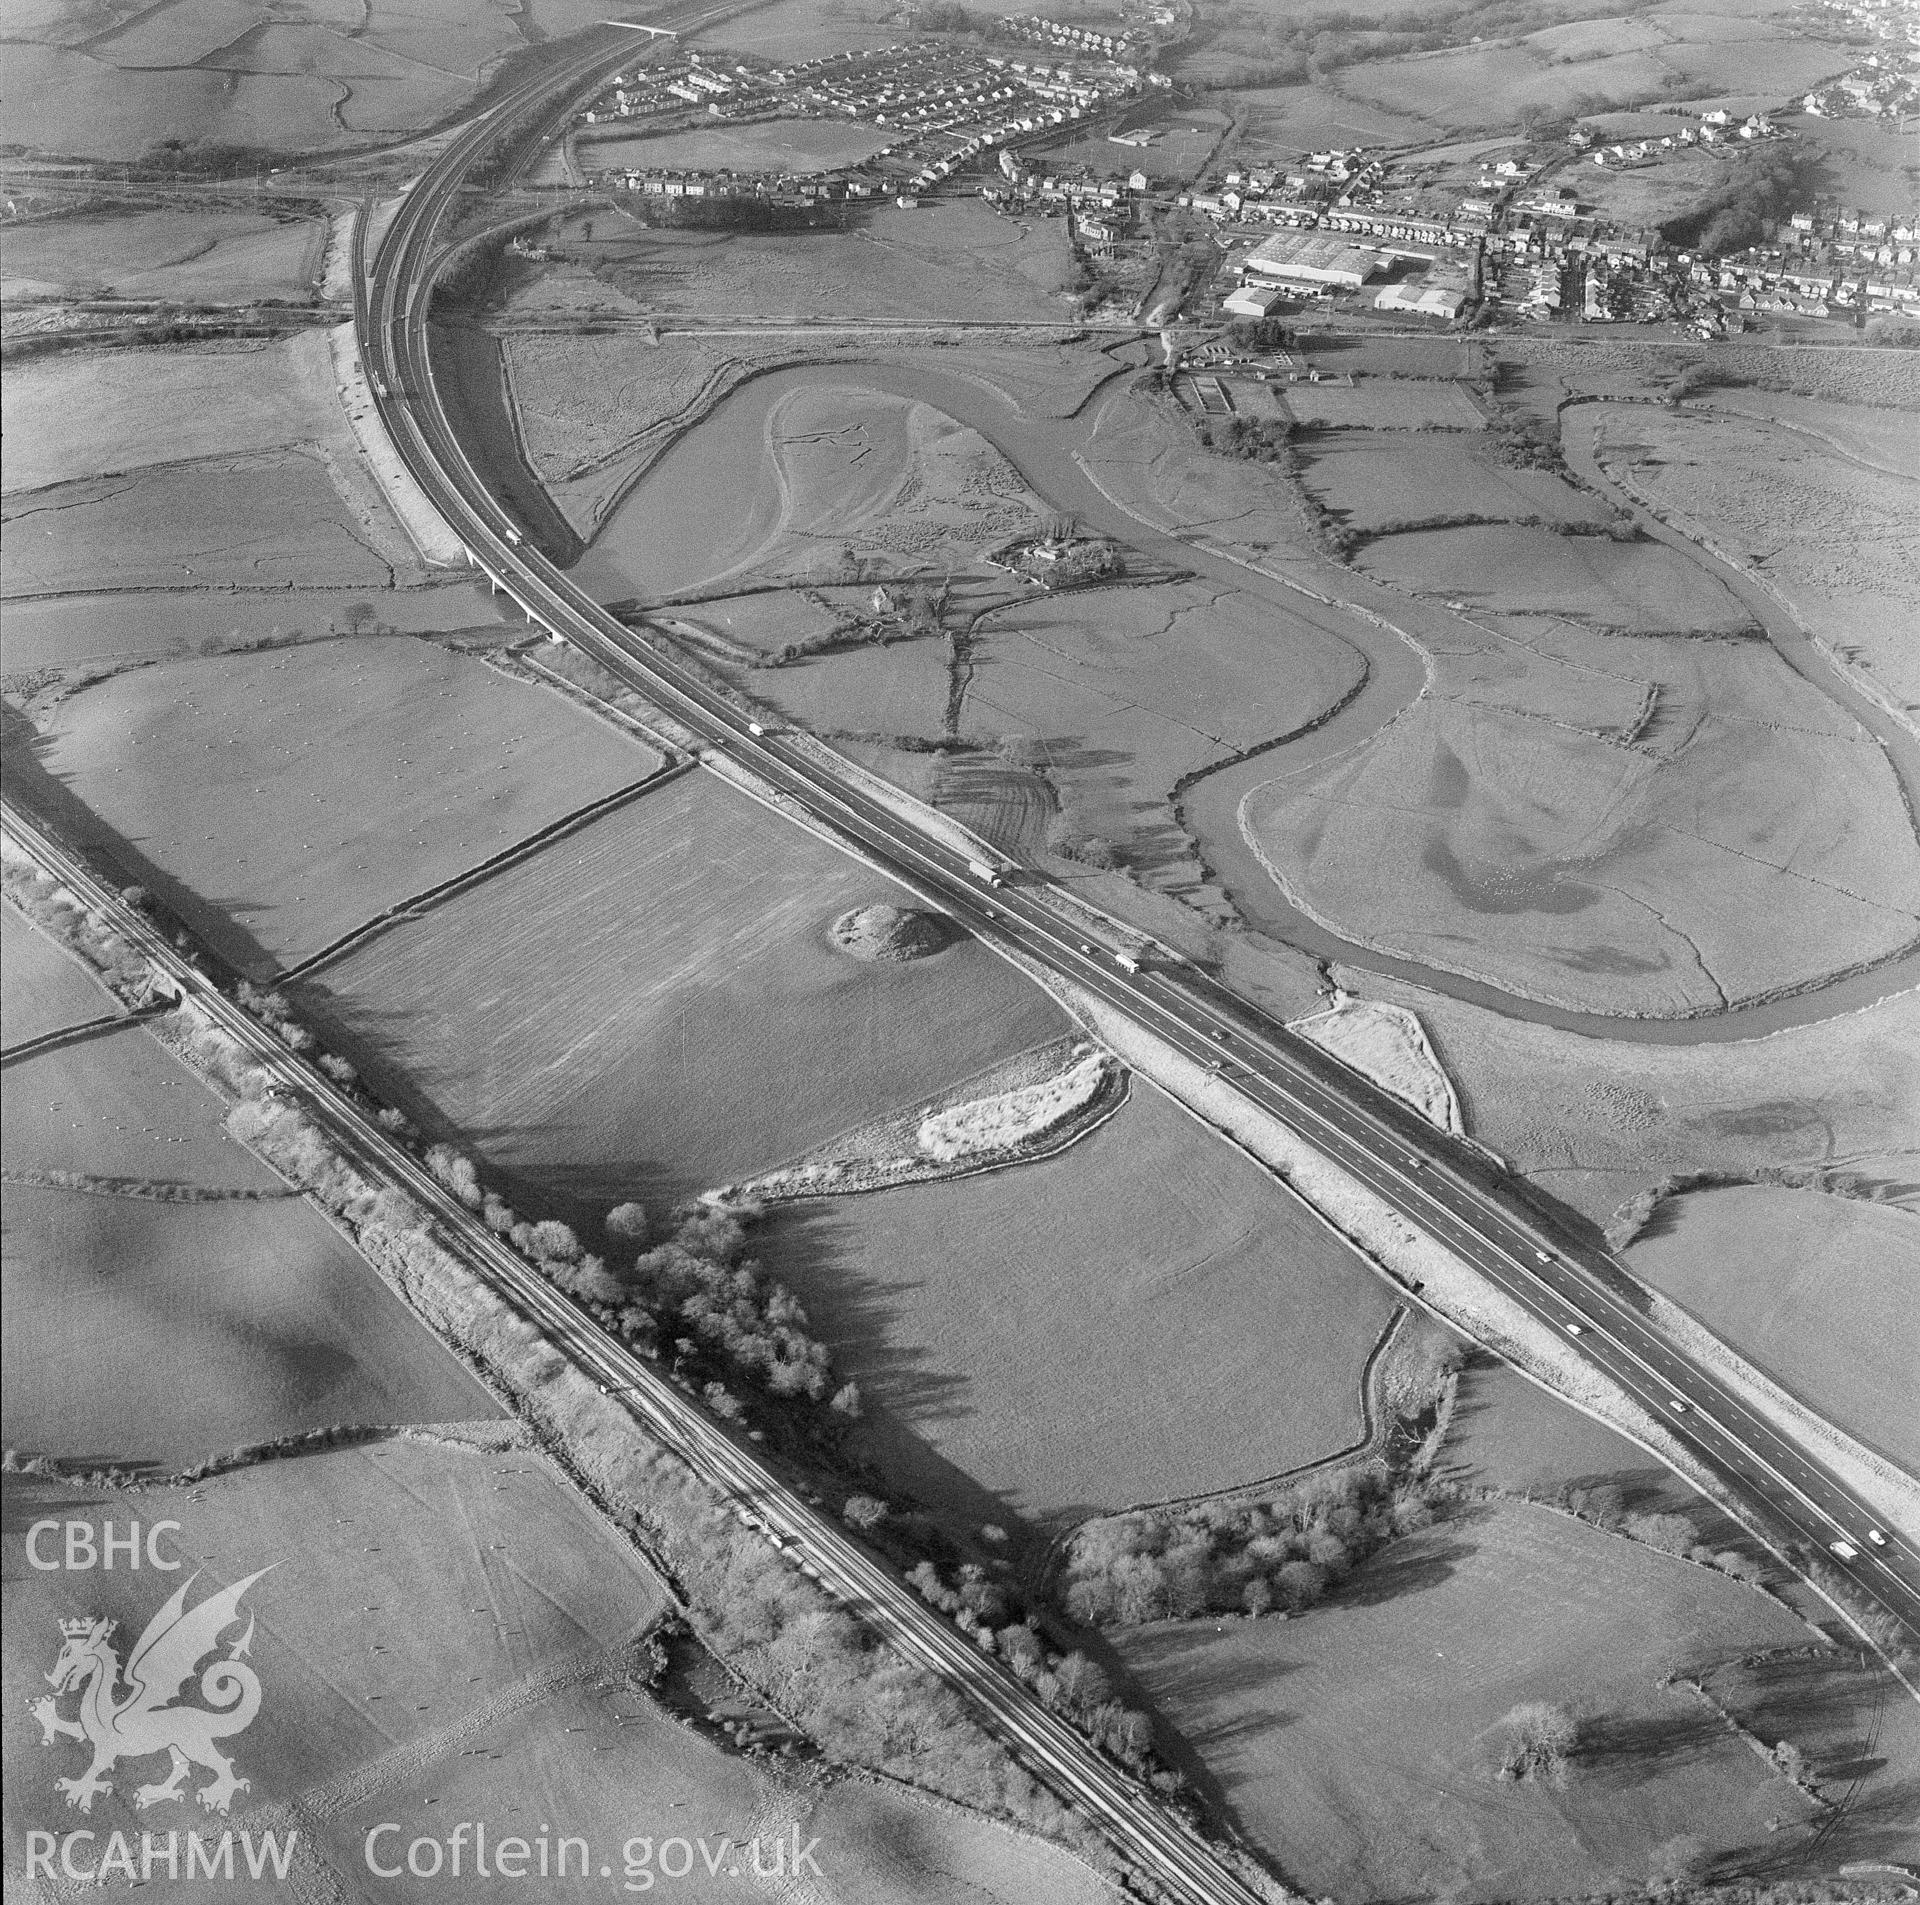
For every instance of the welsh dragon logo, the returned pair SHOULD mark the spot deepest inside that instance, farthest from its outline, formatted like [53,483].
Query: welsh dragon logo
[145,1721]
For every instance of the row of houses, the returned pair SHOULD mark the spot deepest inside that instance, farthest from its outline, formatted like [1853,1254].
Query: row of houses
[1074,39]
[744,185]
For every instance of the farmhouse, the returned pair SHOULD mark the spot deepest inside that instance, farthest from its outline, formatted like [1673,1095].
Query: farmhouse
[1309,258]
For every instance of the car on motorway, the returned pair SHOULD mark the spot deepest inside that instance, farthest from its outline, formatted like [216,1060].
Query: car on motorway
[1576,1329]
[1679,1406]
[754,727]
[1876,1537]
[1084,947]
[1543,1256]
[1214,1032]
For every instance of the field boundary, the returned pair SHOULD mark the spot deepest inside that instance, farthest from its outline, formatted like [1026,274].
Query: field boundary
[417,905]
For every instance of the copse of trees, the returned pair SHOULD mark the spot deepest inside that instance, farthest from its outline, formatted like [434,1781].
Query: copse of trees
[1252,440]
[694,1296]
[700,1288]
[1242,1558]
[1760,191]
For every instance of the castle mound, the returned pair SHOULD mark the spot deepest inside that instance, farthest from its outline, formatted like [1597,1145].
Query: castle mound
[891,933]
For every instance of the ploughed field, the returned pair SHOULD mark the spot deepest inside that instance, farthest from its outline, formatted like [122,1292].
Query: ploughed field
[278,800]
[1146,1316]
[654,1005]
[1822,1292]
[1361,1742]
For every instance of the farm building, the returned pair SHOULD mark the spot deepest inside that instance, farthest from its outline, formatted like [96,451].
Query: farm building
[1310,258]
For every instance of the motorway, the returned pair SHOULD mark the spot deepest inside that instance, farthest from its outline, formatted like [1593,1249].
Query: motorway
[1574,1289]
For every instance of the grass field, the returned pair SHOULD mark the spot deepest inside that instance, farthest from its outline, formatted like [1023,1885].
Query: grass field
[197,257]
[1147,457]
[1860,1732]
[1649,195]
[608,1763]
[1381,403]
[655,1007]
[416,1590]
[1862,163]
[1370,480]
[1596,1120]
[121,1309]
[1285,121]
[272,520]
[1509,1435]
[789,474]
[955,260]
[1638,587]
[1124,691]
[83,631]
[1359,1743]
[1147,1315]
[1822,1292]
[797,146]
[283,798]
[1493,836]
[113,83]
[1473,86]
[580,398]
[899,689]
[43,988]
[1878,378]
[797,30]
[1816,502]
[80,413]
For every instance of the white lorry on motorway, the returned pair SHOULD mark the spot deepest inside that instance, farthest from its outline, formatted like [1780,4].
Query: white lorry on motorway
[990,874]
